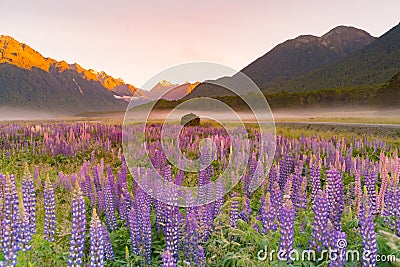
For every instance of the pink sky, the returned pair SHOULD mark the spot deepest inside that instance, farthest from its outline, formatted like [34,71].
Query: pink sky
[135,40]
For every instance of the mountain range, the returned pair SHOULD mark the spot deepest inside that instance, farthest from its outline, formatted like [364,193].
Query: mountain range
[30,81]
[305,53]
[169,91]
[344,57]
[375,63]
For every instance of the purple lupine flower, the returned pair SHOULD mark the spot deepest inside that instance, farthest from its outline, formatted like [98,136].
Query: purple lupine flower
[203,220]
[115,192]
[334,190]
[10,236]
[382,191]
[171,230]
[273,177]
[159,207]
[285,167]
[97,178]
[50,211]
[370,248]
[315,180]
[160,217]
[134,228]
[288,188]
[248,178]
[219,196]
[90,192]
[302,195]
[276,196]
[203,181]
[125,205]
[370,180]
[246,210]
[101,205]
[147,236]
[181,231]
[108,249]
[390,201]
[256,226]
[234,211]
[10,251]
[122,178]
[205,211]
[92,156]
[96,241]
[168,259]
[25,231]
[321,218]
[77,243]
[267,217]
[145,223]
[171,233]
[338,247]
[397,212]
[29,198]
[357,193]
[202,256]
[286,222]
[297,180]
[191,239]
[92,199]
[109,205]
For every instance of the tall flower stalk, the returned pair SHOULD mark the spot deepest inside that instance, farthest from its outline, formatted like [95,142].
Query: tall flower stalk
[11,227]
[370,248]
[168,259]
[234,211]
[96,241]
[321,218]
[108,249]
[286,221]
[335,193]
[110,205]
[25,231]
[77,243]
[50,211]
[29,198]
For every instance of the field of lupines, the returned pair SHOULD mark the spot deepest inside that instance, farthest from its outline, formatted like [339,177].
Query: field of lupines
[68,199]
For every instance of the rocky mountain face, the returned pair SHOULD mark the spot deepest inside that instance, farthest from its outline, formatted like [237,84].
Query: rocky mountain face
[30,80]
[305,53]
[296,57]
[170,91]
[23,56]
[54,92]
[373,64]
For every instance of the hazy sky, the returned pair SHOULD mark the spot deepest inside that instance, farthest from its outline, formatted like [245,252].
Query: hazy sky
[135,40]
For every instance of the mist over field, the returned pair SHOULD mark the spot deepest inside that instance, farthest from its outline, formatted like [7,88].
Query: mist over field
[340,112]
[360,115]
[10,114]
[343,115]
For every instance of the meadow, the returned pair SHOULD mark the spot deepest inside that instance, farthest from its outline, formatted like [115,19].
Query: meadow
[68,198]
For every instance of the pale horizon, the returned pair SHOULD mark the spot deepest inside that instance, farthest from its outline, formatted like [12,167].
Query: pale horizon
[135,41]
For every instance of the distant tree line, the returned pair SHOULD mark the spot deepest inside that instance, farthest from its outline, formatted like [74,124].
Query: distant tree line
[361,96]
